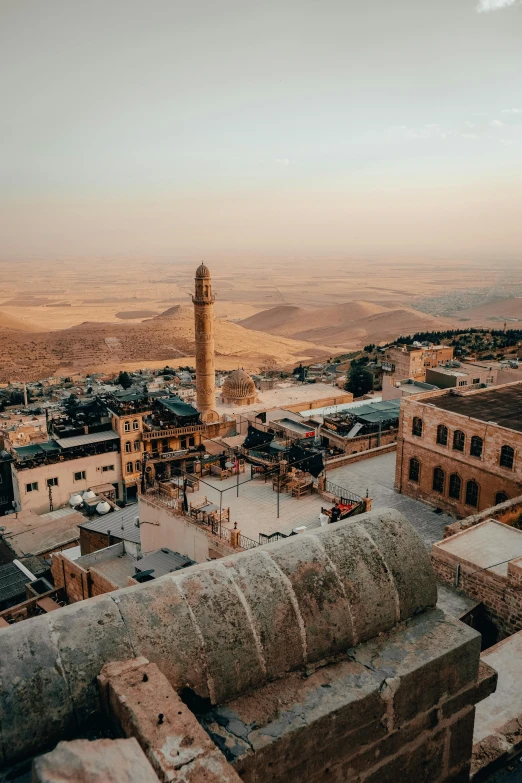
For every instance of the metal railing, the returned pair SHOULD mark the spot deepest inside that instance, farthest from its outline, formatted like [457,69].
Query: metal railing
[172,432]
[344,495]
[247,543]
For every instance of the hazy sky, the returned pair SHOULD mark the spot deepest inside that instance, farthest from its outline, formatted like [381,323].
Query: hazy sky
[160,128]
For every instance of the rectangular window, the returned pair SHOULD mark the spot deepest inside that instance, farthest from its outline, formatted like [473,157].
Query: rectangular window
[52,482]
[107,467]
[80,475]
[463,383]
[137,445]
[476,380]
[32,487]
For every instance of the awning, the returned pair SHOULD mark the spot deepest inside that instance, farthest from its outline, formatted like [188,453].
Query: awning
[85,440]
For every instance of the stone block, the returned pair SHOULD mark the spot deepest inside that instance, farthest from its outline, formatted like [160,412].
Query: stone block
[81,761]
[461,739]
[145,706]
[472,694]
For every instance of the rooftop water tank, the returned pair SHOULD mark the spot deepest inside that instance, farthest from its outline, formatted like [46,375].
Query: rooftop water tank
[75,500]
[103,507]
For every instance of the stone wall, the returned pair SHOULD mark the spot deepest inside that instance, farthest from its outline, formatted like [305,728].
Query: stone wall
[161,526]
[508,513]
[501,594]
[348,459]
[360,442]
[81,580]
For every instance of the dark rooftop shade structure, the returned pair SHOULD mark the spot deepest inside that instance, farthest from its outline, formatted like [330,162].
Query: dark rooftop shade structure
[176,406]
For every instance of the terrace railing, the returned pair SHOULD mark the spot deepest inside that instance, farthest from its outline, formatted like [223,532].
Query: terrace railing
[172,432]
[344,495]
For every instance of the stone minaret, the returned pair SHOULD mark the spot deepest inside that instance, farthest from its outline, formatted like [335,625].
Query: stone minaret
[204,329]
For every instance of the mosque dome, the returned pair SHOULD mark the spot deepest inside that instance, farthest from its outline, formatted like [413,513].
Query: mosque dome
[239,388]
[202,271]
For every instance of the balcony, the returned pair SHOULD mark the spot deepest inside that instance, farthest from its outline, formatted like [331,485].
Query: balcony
[172,432]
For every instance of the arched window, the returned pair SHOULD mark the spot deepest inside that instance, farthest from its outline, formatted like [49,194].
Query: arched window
[126,426]
[459,440]
[455,485]
[137,445]
[507,457]
[138,466]
[442,435]
[416,428]
[438,480]
[472,493]
[475,448]
[500,497]
[135,424]
[414,469]
[127,447]
[129,467]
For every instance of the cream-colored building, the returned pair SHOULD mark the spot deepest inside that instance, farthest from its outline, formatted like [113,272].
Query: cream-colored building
[37,488]
[412,361]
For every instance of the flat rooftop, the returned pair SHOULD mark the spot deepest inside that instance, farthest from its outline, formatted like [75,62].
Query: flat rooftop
[284,395]
[506,703]
[502,405]
[490,545]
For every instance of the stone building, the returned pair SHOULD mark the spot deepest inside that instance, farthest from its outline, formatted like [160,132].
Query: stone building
[238,389]
[461,450]
[459,375]
[411,361]
[346,670]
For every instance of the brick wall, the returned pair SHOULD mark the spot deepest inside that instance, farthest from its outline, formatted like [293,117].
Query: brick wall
[360,442]
[486,471]
[92,541]
[500,594]
[508,513]
[79,583]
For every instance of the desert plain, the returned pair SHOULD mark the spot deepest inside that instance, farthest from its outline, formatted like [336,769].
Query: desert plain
[105,314]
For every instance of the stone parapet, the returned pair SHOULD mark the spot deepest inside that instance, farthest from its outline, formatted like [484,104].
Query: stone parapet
[400,708]
[284,606]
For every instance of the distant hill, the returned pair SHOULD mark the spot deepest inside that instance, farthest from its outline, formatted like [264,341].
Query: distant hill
[170,335]
[9,322]
[345,325]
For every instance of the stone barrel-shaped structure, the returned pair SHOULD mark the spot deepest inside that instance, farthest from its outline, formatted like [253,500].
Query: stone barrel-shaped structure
[221,628]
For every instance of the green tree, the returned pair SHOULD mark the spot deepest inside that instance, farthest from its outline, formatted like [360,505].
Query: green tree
[359,380]
[124,380]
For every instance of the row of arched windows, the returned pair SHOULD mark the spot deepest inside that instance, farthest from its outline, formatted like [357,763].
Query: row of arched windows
[454,485]
[135,425]
[130,469]
[476,447]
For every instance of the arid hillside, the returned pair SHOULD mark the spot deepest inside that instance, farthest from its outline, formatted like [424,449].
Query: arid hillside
[346,325]
[169,336]
[10,322]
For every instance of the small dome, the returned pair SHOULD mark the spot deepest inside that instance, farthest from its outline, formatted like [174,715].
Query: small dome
[202,271]
[238,385]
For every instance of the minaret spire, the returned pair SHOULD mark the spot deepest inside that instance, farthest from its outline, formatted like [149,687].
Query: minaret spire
[203,300]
